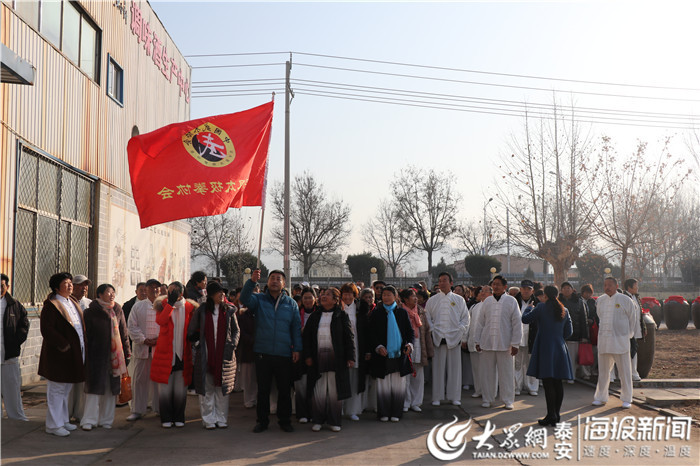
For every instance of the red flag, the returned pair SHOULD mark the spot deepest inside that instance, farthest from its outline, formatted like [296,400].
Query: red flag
[200,167]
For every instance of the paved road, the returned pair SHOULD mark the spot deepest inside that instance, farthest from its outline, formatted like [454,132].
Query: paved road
[365,442]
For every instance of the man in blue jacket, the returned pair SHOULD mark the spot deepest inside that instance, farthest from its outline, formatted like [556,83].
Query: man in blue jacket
[277,345]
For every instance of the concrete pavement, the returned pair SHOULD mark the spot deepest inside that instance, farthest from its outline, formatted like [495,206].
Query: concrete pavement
[365,442]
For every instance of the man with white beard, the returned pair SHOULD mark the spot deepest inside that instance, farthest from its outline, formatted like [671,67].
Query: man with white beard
[617,324]
[498,335]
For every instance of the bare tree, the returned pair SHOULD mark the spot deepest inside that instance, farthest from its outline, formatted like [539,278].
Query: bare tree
[629,192]
[475,238]
[543,185]
[385,235]
[427,204]
[217,236]
[317,225]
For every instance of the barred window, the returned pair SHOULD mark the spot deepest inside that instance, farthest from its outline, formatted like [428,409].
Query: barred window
[52,225]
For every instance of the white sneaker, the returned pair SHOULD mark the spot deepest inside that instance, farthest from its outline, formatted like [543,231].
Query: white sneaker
[394,419]
[465,387]
[335,428]
[179,424]
[303,420]
[166,425]
[597,403]
[69,427]
[416,409]
[354,417]
[106,426]
[456,403]
[221,425]
[517,392]
[570,382]
[87,427]
[508,406]
[210,426]
[626,405]
[636,378]
[436,403]
[316,427]
[405,409]
[485,404]
[60,432]
[384,419]
[533,393]
[133,417]
[476,395]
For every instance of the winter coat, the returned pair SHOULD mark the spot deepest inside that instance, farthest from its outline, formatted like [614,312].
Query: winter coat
[427,347]
[277,322]
[15,327]
[550,356]
[246,327]
[194,293]
[98,328]
[377,336]
[532,333]
[579,318]
[162,363]
[343,342]
[196,335]
[61,359]
[363,365]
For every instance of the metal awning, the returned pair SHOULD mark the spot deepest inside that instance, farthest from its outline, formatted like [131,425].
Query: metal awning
[15,70]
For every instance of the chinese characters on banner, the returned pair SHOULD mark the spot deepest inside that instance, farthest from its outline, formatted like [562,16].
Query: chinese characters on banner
[200,167]
[155,47]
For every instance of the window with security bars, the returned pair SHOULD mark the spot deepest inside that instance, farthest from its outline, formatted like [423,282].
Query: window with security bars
[52,226]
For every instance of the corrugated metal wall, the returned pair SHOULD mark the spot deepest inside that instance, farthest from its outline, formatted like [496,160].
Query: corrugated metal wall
[71,117]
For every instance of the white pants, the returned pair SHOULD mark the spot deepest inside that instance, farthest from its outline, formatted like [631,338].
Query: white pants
[76,401]
[634,365]
[214,405]
[415,387]
[502,362]
[467,376]
[11,384]
[57,395]
[476,367]
[447,364]
[353,405]
[522,380]
[573,355]
[249,384]
[624,371]
[143,387]
[99,409]
[369,396]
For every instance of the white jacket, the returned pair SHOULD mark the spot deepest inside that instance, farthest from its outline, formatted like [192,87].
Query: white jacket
[139,330]
[617,323]
[499,327]
[448,317]
[474,313]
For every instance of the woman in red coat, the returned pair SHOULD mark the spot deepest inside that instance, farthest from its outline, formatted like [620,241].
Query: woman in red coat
[172,358]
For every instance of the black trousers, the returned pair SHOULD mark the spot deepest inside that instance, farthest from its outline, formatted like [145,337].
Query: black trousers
[279,367]
[554,396]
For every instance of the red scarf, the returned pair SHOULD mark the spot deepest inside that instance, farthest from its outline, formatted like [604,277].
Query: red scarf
[215,353]
[415,319]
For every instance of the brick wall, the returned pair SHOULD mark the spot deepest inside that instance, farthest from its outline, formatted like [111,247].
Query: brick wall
[29,358]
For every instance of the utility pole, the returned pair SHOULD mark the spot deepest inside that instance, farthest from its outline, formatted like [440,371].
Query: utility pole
[508,237]
[288,95]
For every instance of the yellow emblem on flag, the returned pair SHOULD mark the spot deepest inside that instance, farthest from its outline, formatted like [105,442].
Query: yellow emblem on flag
[209,145]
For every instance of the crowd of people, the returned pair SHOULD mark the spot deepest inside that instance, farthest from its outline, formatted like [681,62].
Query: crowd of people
[341,351]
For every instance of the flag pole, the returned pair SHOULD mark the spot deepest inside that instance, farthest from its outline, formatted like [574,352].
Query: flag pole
[262,209]
[288,94]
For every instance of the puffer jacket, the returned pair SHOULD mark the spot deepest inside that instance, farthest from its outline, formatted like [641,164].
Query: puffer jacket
[579,316]
[196,335]
[277,322]
[162,364]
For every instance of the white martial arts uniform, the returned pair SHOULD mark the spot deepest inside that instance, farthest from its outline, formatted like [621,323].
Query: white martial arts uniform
[142,325]
[617,325]
[522,360]
[498,330]
[448,317]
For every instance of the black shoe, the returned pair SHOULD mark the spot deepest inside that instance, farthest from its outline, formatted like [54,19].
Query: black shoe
[547,421]
[259,428]
[287,427]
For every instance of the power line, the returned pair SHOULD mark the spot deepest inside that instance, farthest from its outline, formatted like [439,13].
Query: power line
[236,95]
[511,86]
[235,66]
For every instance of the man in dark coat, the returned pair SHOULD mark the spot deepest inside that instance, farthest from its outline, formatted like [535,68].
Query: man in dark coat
[14,330]
[578,310]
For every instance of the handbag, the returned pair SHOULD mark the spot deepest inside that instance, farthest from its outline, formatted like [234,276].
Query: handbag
[125,393]
[585,354]
[594,334]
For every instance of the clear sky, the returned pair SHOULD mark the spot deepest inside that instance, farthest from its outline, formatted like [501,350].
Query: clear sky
[354,147]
